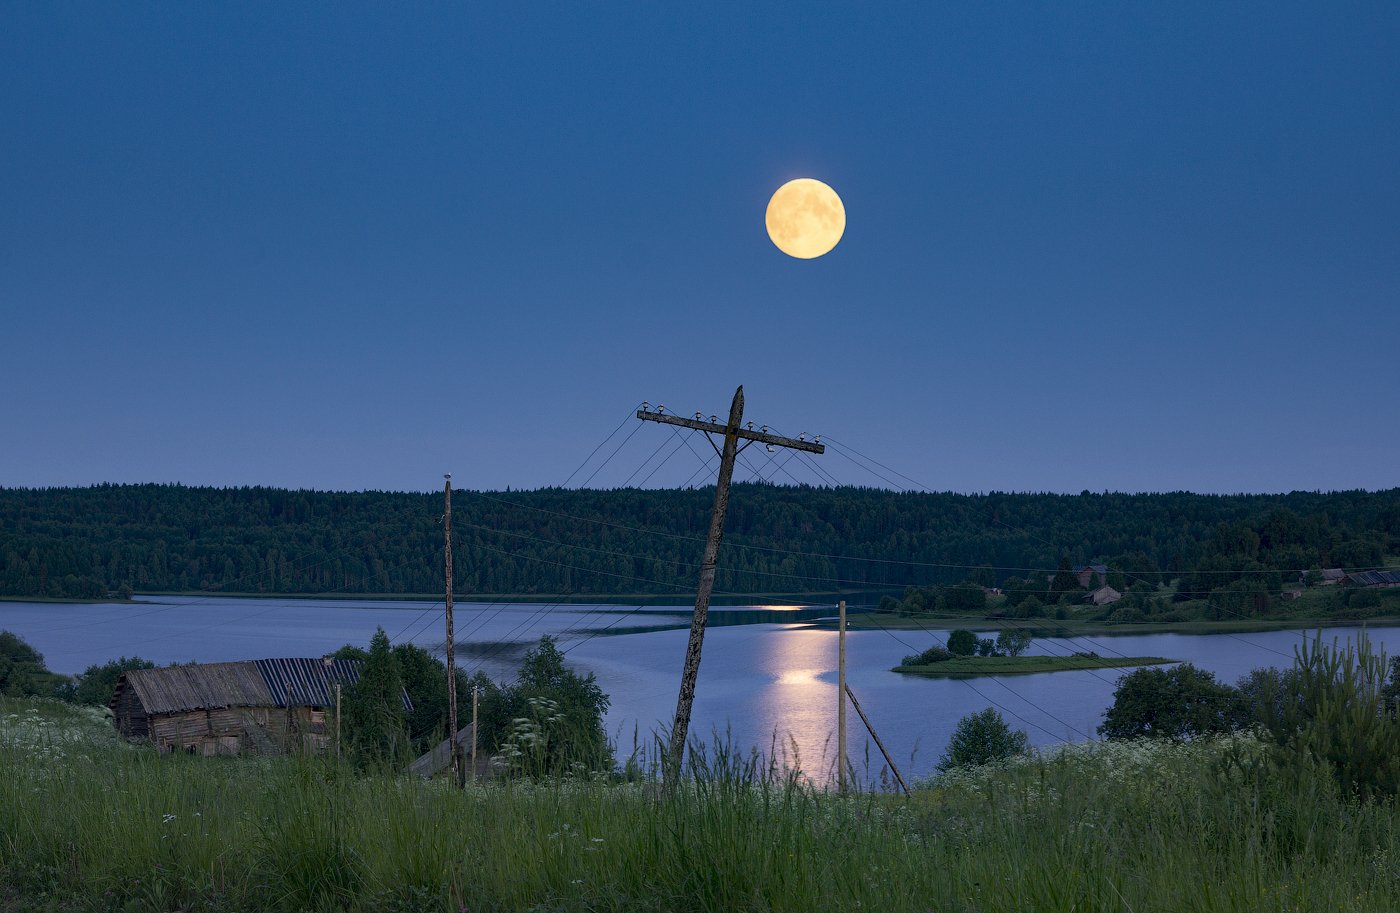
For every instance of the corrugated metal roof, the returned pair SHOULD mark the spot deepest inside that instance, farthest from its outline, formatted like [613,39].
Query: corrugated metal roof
[252,683]
[1373,578]
[310,681]
[206,686]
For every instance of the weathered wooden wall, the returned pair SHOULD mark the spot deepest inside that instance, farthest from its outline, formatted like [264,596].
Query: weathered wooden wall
[240,730]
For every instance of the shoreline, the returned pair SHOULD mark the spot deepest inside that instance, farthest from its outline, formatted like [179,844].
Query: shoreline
[798,600]
[1050,627]
[984,666]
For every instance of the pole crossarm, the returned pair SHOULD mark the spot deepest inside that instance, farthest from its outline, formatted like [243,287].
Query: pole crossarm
[731,432]
[761,437]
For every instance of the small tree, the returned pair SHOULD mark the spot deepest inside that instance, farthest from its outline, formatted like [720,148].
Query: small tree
[1030,607]
[1013,641]
[1065,581]
[1334,720]
[22,670]
[981,738]
[962,643]
[986,647]
[1263,694]
[96,684]
[549,721]
[374,716]
[965,599]
[1182,702]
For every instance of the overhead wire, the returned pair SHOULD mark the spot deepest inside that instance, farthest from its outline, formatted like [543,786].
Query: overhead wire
[594,451]
[1014,624]
[486,618]
[543,610]
[842,447]
[1047,713]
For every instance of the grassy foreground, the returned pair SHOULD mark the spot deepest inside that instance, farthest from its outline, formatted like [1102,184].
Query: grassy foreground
[90,824]
[969,666]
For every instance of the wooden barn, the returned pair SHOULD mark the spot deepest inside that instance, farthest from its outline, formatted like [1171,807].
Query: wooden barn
[264,706]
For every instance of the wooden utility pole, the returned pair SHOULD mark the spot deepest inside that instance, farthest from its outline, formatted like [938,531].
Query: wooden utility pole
[841,701]
[732,434]
[451,636]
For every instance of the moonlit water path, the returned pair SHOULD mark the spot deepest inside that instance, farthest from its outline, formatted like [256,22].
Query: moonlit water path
[757,681]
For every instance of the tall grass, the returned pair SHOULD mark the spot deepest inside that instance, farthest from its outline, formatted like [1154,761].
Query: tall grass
[88,823]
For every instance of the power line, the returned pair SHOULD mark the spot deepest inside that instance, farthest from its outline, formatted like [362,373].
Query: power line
[841,447]
[625,419]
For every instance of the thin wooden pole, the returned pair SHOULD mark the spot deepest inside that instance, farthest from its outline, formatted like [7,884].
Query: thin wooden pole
[337,720]
[841,702]
[871,729]
[451,637]
[475,692]
[686,700]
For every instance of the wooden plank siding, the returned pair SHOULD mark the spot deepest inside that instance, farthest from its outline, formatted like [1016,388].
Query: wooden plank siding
[241,730]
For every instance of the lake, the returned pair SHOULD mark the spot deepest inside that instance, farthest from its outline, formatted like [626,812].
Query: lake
[762,678]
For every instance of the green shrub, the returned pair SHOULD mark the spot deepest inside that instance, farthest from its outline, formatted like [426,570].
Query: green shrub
[549,720]
[981,738]
[1125,615]
[931,655]
[23,673]
[1363,599]
[1029,607]
[1013,641]
[962,643]
[1182,702]
[96,684]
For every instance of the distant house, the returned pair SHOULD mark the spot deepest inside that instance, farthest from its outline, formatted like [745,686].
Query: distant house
[1331,576]
[1104,595]
[1085,574]
[264,706]
[1371,579]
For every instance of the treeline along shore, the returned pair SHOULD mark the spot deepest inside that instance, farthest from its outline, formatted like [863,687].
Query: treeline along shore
[93,542]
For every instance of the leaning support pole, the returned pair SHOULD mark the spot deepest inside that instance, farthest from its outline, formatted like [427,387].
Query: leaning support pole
[871,729]
[732,434]
[686,700]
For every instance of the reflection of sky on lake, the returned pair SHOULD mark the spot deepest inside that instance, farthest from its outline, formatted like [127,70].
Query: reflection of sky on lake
[767,684]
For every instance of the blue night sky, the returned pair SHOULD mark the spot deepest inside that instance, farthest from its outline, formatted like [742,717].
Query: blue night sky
[1104,246]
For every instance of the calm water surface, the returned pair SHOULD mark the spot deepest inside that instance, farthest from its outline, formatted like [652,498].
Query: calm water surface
[758,681]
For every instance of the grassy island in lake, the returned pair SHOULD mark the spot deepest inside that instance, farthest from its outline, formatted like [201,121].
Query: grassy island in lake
[969,666]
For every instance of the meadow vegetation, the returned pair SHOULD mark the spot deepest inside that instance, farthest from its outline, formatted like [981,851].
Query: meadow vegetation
[1299,815]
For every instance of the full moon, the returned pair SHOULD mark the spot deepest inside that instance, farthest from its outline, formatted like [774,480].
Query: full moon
[805,218]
